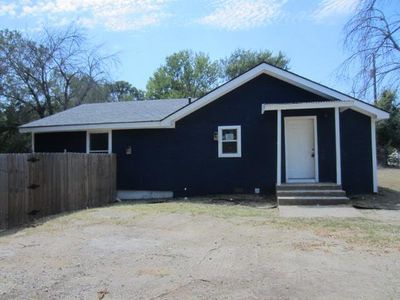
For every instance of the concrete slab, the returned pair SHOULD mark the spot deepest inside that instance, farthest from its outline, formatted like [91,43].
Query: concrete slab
[293,211]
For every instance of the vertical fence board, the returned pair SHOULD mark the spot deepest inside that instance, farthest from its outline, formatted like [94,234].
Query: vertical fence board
[40,184]
[3,192]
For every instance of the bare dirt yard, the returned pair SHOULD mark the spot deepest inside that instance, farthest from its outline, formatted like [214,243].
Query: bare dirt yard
[200,250]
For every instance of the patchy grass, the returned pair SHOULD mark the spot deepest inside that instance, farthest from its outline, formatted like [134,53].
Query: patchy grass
[354,231]
[388,196]
[357,231]
[389,178]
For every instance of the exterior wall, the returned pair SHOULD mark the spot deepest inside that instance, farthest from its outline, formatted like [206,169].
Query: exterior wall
[187,156]
[185,159]
[356,152]
[61,142]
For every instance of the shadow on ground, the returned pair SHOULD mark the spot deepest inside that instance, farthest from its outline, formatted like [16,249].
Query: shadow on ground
[386,199]
[229,199]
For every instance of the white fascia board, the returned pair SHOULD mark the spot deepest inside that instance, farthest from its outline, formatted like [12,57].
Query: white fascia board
[110,126]
[215,94]
[370,110]
[305,105]
[261,69]
[304,83]
[355,105]
[283,75]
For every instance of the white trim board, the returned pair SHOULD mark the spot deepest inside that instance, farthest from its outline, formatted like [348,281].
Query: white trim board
[109,132]
[283,75]
[238,141]
[374,160]
[105,126]
[353,104]
[316,162]
[278,147]
[338,148]
[264,68]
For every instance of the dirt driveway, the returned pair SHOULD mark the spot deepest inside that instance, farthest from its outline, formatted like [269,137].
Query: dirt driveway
[202,251]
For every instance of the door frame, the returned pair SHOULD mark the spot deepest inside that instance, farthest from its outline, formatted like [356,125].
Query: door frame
[316,166]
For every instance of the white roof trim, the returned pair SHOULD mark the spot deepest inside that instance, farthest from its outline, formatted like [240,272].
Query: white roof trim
[105,126]
[304,105]
[296,80]
[355,105]
[283,75]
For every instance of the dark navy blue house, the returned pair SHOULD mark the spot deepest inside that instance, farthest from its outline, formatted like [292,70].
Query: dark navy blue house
[264,129]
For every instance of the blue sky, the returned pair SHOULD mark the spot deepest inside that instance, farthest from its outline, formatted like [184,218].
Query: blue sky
[144,32]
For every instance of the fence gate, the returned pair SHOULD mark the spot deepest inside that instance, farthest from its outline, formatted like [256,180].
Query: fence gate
[33,185]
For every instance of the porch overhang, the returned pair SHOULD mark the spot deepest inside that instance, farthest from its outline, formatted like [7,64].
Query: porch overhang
[359,106]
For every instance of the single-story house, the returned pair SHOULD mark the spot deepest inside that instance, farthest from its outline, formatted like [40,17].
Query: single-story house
[264,129]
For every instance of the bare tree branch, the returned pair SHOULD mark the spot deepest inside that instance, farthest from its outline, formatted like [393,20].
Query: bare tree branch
[372,38]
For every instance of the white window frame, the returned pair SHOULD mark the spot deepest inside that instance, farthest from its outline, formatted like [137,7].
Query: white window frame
[238,141]
[88,133]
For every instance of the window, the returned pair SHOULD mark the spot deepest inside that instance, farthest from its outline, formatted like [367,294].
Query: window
[98,142]
[229,141]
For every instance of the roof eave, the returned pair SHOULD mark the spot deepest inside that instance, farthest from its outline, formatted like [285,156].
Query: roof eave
[104,126]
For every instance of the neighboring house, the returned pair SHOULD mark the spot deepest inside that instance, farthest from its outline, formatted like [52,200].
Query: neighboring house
[264,128]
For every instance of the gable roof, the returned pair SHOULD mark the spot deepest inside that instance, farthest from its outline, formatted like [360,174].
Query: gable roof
[165,113]
[286,76]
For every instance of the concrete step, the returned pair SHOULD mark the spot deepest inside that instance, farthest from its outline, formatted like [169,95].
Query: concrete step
[312,200]
[308,186]
[316,193]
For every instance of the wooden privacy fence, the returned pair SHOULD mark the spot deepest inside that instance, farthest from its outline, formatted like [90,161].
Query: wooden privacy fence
[40,184]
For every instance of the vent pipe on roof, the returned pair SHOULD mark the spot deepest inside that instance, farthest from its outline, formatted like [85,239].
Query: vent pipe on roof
[189,100]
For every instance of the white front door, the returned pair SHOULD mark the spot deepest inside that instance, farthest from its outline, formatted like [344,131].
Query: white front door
[301,151]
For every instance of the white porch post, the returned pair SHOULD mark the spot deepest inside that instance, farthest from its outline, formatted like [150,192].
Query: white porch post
[278,146]
[374,162]
[338,148]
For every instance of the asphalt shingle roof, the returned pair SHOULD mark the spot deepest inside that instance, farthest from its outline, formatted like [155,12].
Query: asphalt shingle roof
[112,112]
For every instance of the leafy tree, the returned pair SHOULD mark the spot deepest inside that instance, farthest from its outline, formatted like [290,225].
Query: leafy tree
[11,116]
[388,131]
[373,41]
[124,91]
[184,74]
[242,60]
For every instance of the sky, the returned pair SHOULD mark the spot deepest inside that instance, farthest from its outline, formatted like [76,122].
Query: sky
[144,32]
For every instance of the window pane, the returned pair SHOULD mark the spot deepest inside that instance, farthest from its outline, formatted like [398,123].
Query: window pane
[229,134]
[229,147]
[98,141]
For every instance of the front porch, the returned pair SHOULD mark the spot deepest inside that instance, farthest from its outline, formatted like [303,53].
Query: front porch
[311,140]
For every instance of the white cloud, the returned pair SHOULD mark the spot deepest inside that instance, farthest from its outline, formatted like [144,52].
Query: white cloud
[116,15]
[331,8]
[7,9]
[242,14]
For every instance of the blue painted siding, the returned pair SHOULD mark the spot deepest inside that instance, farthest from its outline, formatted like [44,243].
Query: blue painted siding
[187,156]
[356,152]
